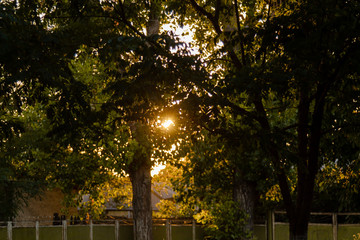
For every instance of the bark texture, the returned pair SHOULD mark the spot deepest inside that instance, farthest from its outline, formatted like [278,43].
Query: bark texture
[139,172]
[244,194]
[141,183]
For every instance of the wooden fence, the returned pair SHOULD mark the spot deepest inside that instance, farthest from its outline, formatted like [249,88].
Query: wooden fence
[323,226]
[329,229]
[112,230]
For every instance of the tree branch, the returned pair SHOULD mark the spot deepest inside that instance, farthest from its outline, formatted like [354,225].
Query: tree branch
[274,156]
[240,33]
[290,127]
[123,18]
[267,20]
[215,22]
[217,10]
[213,19]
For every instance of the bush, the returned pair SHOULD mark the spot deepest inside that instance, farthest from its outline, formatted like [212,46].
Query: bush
[224,221]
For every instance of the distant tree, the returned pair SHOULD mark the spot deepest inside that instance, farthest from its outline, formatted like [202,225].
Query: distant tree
[45,109]
[31,66]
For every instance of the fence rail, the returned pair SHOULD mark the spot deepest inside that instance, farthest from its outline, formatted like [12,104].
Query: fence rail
[331,229]
[95,230]
[331,226]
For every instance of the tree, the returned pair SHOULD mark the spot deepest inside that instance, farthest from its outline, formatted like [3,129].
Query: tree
[121,125]
[47,107]
[210,183]
[140,78]
[283,65]
[267,73]
[33,67]
[134,106]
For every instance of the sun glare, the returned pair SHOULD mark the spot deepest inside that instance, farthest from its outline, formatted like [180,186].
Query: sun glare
[166,124]
[157,168]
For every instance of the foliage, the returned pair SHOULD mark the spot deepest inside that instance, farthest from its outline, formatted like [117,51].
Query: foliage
[220,227]
[42,106]
[338,188]
[117,190]
[170,208]
[282,67]
[356,236]
[208,183]
[273,92]
[21,174]
[221,216]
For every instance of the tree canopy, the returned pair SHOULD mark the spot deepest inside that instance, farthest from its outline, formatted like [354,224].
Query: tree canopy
[271,91]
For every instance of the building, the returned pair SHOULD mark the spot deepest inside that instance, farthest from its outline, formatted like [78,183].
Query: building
[44,207]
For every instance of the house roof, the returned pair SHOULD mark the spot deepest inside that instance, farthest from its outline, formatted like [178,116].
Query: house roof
[159,191]
[163,191]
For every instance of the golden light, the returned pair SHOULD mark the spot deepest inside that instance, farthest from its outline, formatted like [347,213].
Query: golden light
[166,124]
[157,168]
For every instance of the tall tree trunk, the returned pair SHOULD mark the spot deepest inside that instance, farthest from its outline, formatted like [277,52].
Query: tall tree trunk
[300,219]
[298,230]
[244,194]
[139,172]
[141,185]
[308,163]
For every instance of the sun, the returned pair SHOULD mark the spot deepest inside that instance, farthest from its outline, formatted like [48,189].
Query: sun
[167,123]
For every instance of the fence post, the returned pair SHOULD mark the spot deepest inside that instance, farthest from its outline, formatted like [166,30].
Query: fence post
[117,230]
[64,230]
[168,229]
[91,230]
[37,235]
[193,229]
[335,226]
[9,230]
[270,225]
